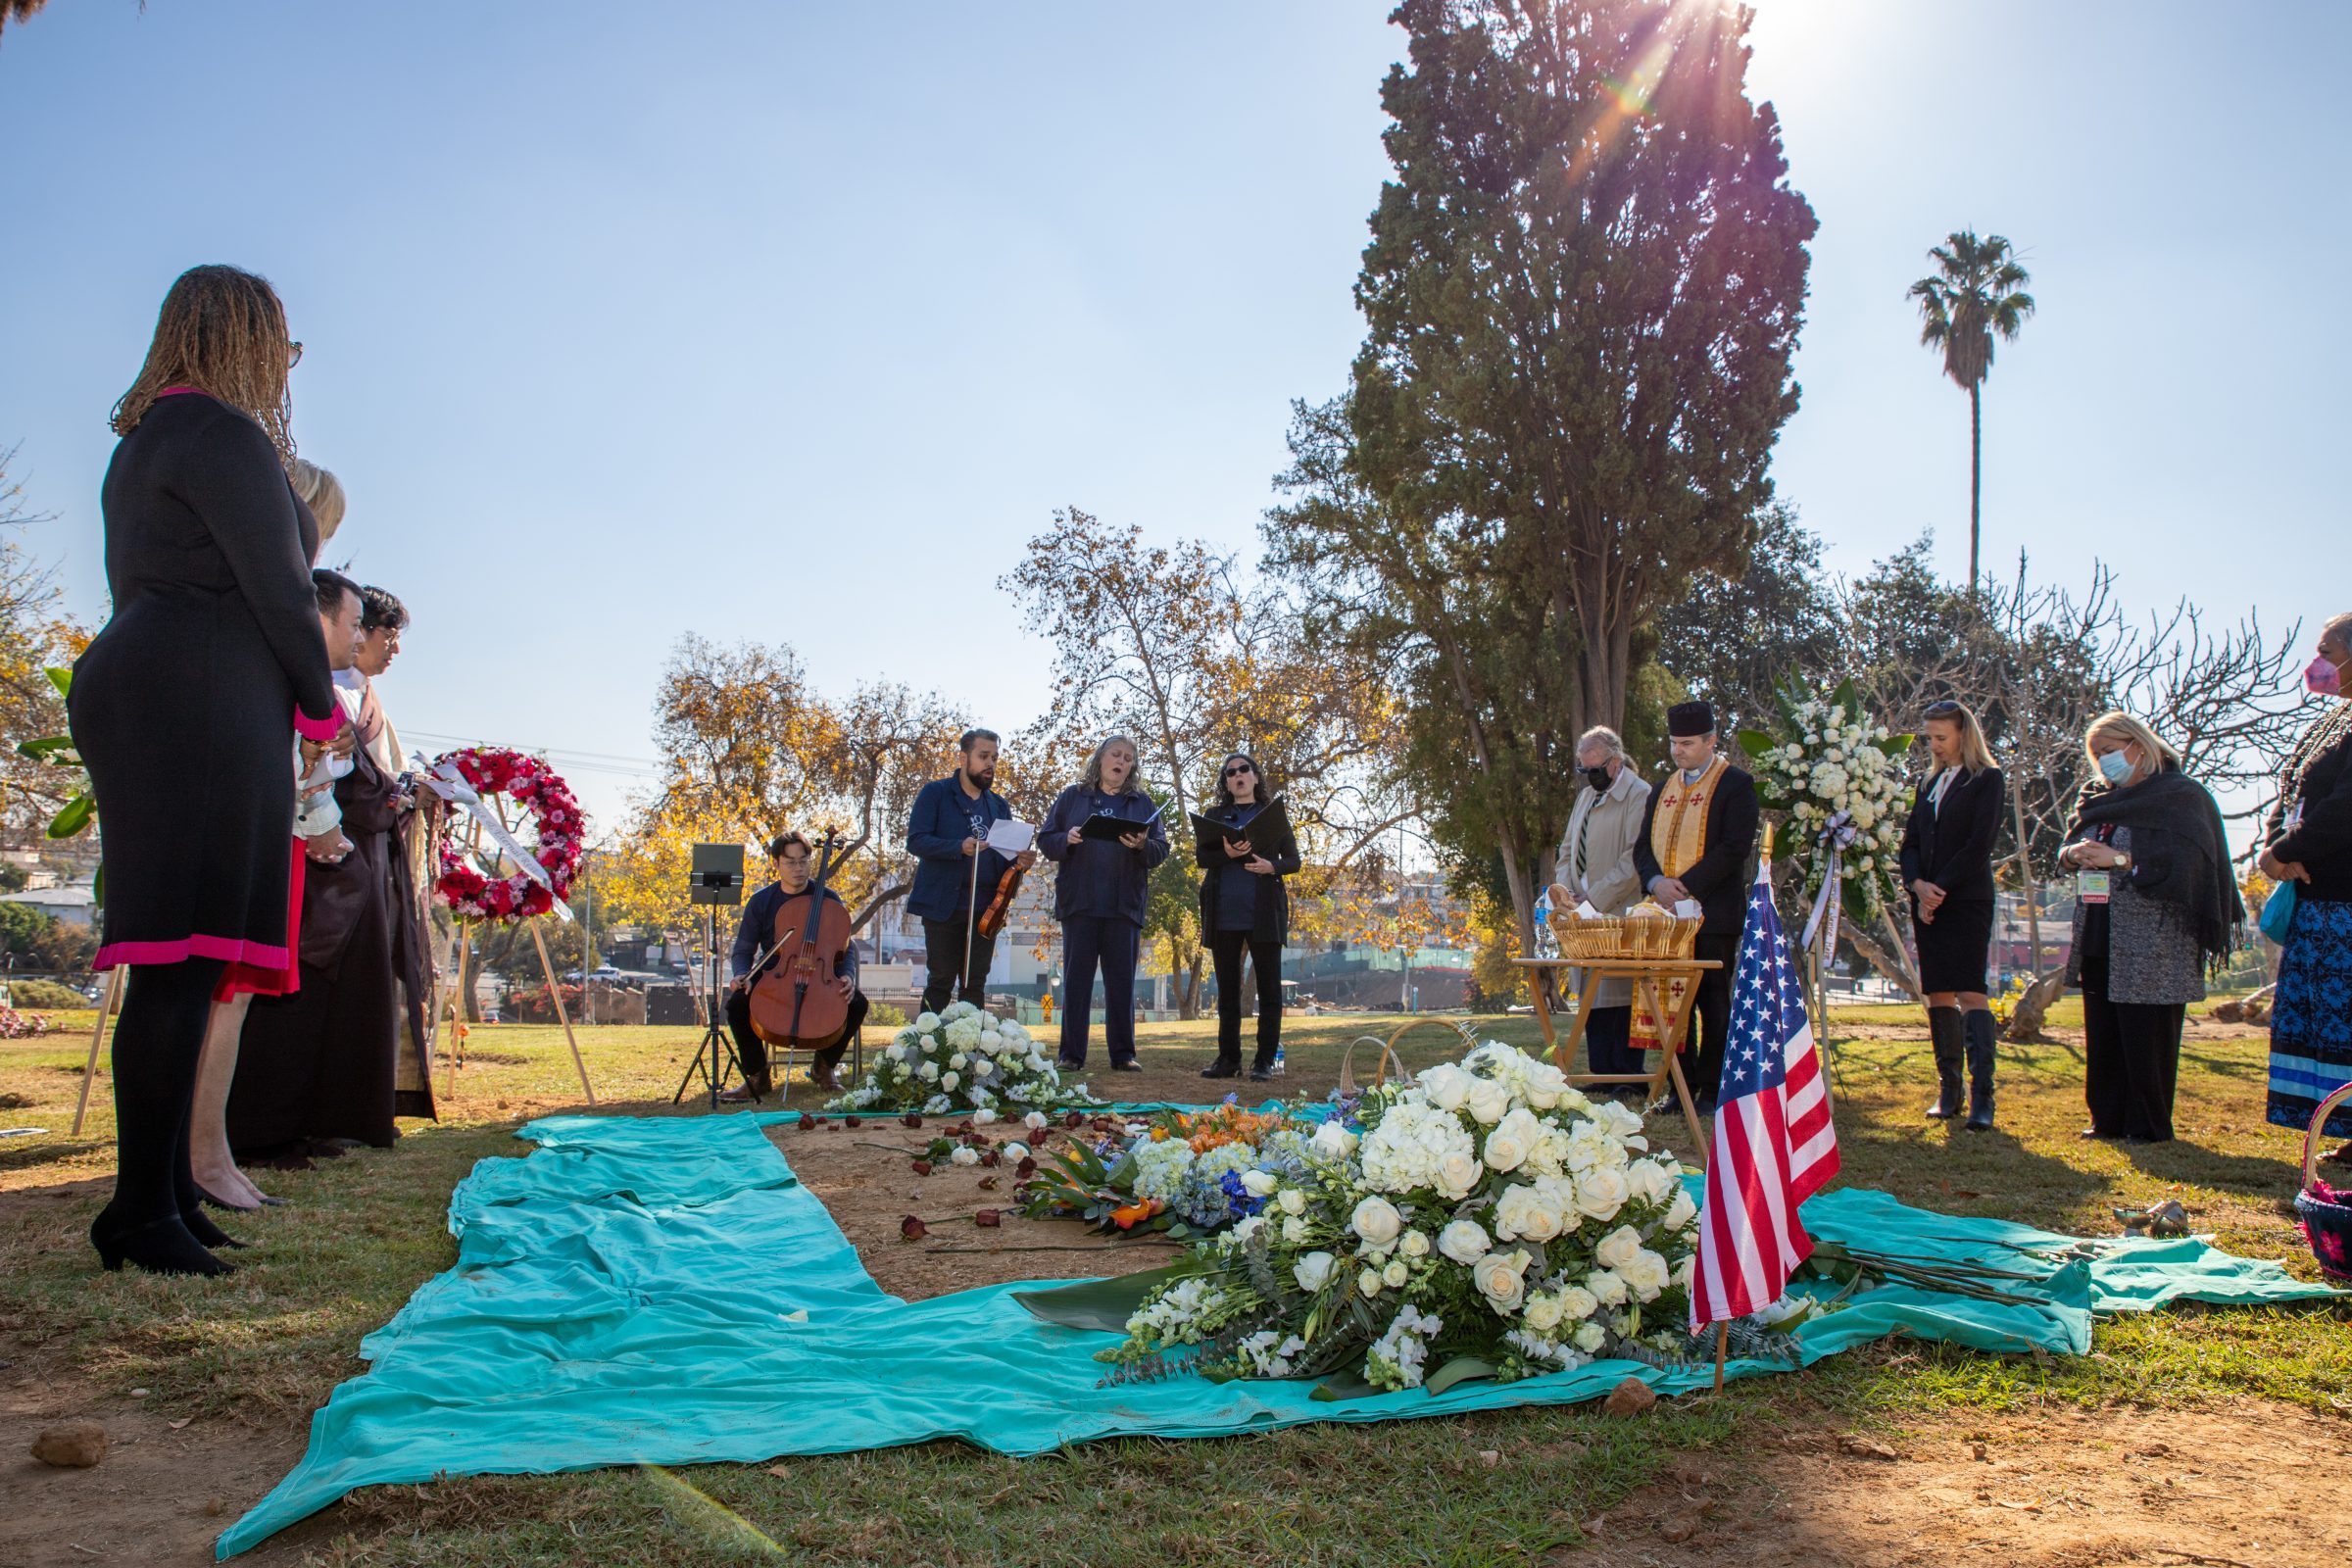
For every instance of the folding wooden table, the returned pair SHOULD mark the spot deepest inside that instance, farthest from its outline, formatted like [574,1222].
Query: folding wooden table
[1650,977]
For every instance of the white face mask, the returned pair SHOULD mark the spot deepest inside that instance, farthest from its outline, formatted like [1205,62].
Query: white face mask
[2115,765]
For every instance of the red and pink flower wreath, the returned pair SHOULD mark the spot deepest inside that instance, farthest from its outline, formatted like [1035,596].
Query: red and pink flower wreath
[534,786]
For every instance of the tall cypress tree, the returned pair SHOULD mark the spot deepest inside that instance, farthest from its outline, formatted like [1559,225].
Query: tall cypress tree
[1584,286]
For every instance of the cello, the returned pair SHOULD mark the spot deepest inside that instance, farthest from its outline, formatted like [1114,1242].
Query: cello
[795,1002]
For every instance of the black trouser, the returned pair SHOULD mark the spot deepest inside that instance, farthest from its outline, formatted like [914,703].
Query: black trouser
[1711,1019]
[751,1050]
[1608,1047]
[2130,1060]
[158,1037]
[1226,949]
[1086,941]
[943,962]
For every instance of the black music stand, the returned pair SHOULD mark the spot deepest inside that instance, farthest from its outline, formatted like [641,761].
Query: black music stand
[714,881]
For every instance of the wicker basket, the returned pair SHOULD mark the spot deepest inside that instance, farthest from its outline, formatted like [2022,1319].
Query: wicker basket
[1621,937]
[2327,1221]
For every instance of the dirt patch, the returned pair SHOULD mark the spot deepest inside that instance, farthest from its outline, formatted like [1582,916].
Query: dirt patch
[2240,1485]
[866,1178]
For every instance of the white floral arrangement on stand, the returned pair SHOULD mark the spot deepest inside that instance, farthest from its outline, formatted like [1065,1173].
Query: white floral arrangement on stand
[1840,776]
[961,1058]
[1484,1220]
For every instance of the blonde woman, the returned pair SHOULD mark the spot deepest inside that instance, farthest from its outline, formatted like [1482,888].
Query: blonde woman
[1102,881]
[1947,868]
[184,709]
[2155,907]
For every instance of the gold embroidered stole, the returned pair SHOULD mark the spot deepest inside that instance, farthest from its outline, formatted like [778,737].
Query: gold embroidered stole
[1678,837]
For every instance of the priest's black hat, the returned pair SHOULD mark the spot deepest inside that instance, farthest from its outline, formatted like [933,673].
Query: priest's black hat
[1689,718]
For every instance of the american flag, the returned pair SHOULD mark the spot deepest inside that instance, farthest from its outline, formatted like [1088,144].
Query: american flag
[1773,1142]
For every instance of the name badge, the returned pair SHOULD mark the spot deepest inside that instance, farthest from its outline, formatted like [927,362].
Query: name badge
[2091,887]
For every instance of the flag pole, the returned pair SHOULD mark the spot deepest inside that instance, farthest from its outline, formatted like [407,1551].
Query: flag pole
[1723,1343]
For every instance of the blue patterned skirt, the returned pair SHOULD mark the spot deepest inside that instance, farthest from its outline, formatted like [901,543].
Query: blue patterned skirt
[2311,1017]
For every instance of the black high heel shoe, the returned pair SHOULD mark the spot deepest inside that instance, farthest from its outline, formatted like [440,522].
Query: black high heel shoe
[205,1233]
[223,1205]
[159,1247]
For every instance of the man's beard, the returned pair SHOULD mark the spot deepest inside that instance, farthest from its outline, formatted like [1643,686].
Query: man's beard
[983,778]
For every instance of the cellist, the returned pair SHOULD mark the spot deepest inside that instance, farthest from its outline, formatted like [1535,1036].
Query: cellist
[788,862]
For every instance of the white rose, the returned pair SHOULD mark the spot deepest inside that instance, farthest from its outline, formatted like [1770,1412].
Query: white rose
[1589,1338]
[1248,1228]
[1458,1174]
[1464,1240]
[1447,1086]
[1500,1277]
[1578,1303]
[1646,1273]
[1648,1183]
[1016,1153]
[1487,1101]
[929,1072]
[1293,1200]
[1542,1313]
[925,1022]
[1395,1274]
[981,1119]
[1294,1232]
[1606,1288]
[1682,1270]
[1512,1140]
[1682,1212]
[1035,1121]
[949,1081]
[960,1061]
[1601,1192]
[1313,1271]
[1376,1220]
[1333,1141]
[1618,1247]
[965,1157]
[1413,1244]
[1258,1182]
[1368,1281]
[1522,1213]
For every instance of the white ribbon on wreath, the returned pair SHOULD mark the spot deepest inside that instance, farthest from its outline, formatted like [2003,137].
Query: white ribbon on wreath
[1838,835]
[447,782]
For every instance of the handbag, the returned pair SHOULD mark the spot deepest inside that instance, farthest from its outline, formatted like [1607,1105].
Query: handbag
[2279,912]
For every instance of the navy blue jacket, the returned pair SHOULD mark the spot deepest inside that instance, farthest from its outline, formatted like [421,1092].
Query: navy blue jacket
[757,928]
[1101,876]
[936,828]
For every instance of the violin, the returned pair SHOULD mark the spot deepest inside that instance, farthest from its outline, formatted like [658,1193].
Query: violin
[992,919]
[796,1002]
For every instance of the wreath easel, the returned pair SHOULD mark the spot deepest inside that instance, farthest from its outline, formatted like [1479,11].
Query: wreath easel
[481,781]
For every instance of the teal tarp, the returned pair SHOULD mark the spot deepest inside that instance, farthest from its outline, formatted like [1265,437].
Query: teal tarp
[635,1289]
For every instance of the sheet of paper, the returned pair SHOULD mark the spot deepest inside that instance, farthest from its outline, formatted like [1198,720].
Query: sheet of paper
[1688,910]
[1010,836]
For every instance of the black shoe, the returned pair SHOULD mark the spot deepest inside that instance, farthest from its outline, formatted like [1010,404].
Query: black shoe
[1065,1064]
[1262,1075]
[1947,1036]
[207,1233]
[1222,1068]
[223,1205]
[1978,1030]
[160,1246]
[1129,1065]
[2093,1132]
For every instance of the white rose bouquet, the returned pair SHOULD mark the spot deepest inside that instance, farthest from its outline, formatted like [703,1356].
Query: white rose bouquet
[1839,778]
[961,1058]
[1484,1220]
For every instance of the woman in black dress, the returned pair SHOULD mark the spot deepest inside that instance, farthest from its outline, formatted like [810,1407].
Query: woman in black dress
[1947,866]
[183,708]
[1244,909]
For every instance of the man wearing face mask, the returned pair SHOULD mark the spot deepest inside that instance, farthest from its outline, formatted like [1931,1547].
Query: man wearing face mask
[1596,867]
[2307,844]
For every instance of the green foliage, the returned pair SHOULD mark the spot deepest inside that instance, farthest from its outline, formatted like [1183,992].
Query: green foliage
[47,993]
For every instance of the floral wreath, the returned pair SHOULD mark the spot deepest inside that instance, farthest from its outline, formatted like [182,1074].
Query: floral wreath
[529,783]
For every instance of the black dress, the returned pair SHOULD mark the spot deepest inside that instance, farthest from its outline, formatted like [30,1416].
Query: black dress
[1951,846]
[183,706]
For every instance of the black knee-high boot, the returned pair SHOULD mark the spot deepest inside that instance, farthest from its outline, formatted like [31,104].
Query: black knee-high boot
[157,1041]
[1944,1033]
[1980,1069]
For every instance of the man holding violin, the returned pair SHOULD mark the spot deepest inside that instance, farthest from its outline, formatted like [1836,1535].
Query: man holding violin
[947,832]
[788,859]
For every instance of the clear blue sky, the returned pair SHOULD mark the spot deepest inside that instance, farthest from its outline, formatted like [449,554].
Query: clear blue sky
[794,322]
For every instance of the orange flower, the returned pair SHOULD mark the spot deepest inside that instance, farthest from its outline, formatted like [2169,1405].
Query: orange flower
[1134,1214]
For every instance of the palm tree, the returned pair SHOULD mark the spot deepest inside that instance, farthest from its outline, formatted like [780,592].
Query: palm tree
[1976,293]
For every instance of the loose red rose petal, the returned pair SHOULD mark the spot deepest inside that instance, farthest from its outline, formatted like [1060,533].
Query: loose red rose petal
[993,1156]
[1026,1168]
[988,1184]
[1073,1119]
[988,1219]
[922,1168]
[912,1229]
[910,1119]
[849,1121]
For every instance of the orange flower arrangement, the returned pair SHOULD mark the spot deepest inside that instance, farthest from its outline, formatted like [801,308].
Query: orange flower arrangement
[1212,1129]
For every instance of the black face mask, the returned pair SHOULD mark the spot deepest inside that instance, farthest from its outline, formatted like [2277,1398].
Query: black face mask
[1598,778]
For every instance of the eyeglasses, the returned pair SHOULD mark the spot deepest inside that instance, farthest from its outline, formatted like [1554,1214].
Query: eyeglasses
[1945,707]
[293,355]
[1237,769]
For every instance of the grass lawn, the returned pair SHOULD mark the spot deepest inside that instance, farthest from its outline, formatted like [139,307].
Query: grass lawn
[257,1352]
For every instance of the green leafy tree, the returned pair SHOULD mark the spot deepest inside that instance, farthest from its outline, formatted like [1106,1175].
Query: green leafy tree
[1583,290]
[1976,294]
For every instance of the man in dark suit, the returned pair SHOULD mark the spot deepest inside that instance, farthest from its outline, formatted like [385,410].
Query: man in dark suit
[1696,836]
[788,858]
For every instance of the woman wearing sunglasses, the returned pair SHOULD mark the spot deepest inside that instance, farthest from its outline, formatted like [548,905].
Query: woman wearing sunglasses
[1947,868]
[1246,910]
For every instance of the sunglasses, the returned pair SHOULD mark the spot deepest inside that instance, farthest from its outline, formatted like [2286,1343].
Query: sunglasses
[1237,769]
[1944,708]
[293,355]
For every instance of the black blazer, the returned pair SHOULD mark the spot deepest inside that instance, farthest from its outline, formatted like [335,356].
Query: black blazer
[2322,784]
[1719,881]
[1272,920]
[1953,848]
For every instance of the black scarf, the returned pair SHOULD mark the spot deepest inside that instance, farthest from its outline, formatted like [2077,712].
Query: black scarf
[2171,817]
